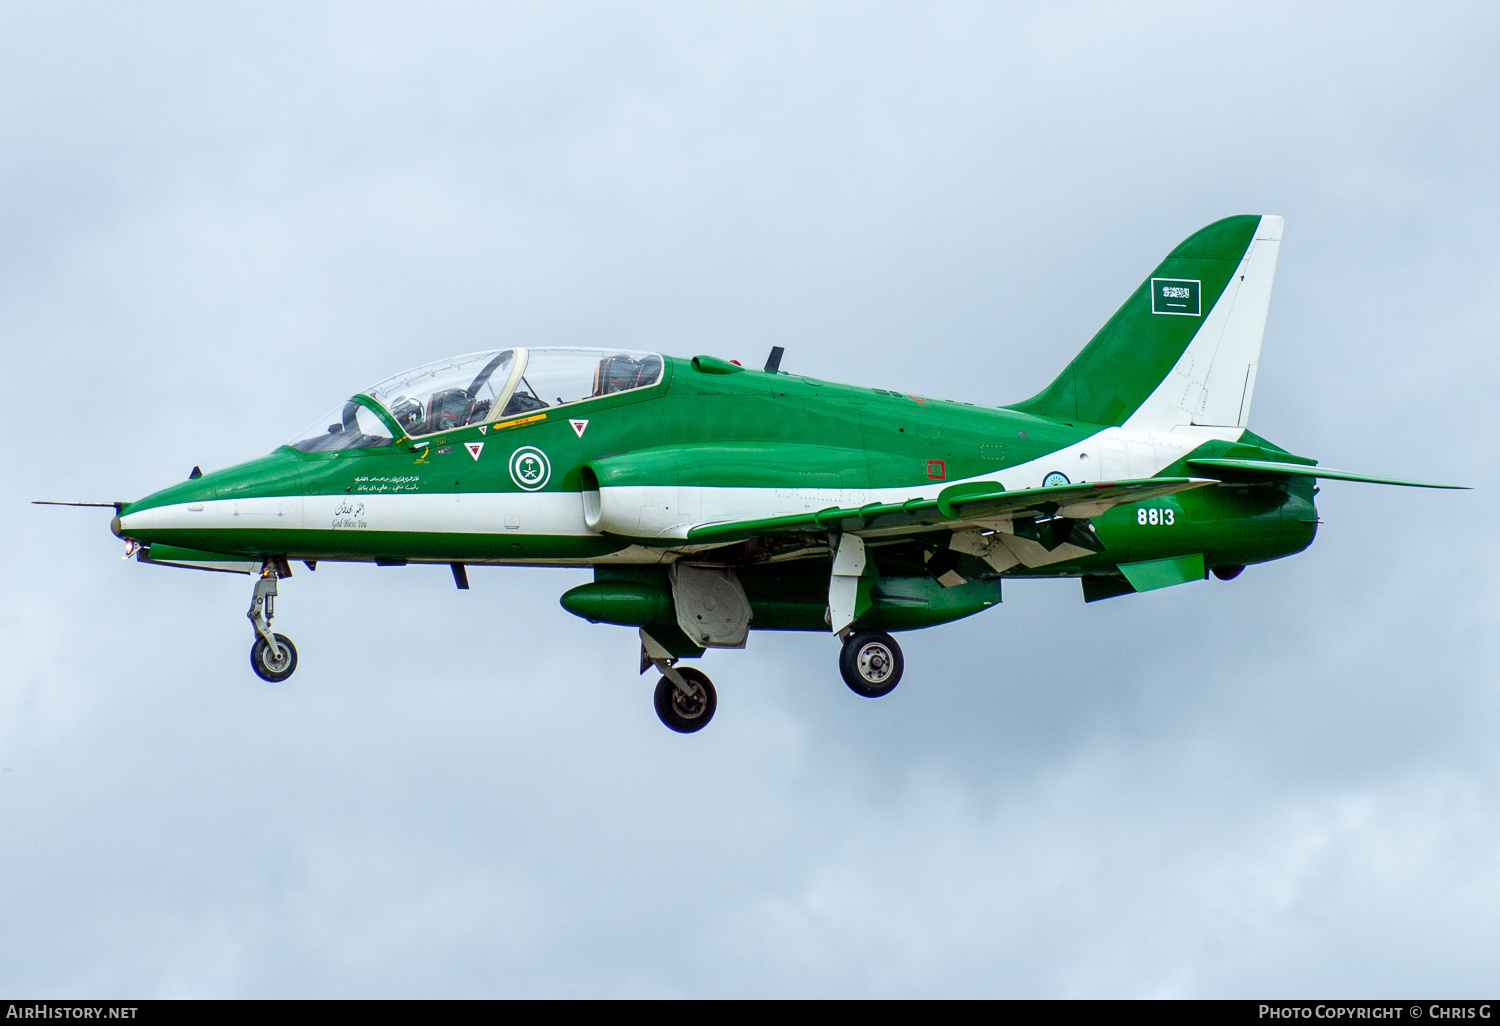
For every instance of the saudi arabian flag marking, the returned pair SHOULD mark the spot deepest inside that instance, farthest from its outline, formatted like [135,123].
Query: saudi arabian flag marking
[1181,297]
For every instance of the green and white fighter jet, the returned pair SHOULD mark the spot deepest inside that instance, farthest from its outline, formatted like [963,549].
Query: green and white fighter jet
[712,499]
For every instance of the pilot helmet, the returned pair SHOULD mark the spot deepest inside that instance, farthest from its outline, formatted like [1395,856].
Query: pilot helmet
[407,411]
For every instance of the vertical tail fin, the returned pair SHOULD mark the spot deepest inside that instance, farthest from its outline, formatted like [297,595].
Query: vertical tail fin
[1184,347]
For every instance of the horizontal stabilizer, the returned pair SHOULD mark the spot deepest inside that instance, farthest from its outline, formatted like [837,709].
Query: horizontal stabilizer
[1303,470]
[956,506]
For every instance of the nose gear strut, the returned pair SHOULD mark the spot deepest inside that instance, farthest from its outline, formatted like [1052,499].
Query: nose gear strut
[273,657]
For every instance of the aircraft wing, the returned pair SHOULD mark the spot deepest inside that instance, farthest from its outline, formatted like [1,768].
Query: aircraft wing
[1304,470]
[957,506]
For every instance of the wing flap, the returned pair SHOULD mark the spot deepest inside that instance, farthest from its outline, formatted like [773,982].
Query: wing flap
[955,507]
[1303,470]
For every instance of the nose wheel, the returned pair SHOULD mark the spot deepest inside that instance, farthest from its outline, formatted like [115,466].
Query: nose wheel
[871,663]
[273,665]
[273,657]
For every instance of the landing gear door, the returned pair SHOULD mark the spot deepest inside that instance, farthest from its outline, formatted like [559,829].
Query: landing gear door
[711,605]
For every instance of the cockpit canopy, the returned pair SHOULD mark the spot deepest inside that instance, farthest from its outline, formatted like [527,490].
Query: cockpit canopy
[477,389]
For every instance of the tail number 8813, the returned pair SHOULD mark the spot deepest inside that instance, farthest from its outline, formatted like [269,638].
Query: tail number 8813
[1153,517]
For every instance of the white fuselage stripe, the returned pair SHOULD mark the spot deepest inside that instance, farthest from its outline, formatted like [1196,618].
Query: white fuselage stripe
[552,514]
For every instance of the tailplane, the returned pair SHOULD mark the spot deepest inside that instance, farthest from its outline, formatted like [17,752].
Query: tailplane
[1184,347]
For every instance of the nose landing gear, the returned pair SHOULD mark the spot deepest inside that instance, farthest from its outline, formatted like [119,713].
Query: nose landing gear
[273,657]
[871,663]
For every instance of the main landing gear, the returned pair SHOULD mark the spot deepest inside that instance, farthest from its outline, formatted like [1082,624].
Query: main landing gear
[685,697]
[273,657]
[871,663]
[686,710]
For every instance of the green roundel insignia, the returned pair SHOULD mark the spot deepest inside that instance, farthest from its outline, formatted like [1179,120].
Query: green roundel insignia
[1055,479]
[529,468]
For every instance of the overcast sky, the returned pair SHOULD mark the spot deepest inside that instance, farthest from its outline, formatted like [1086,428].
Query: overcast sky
[218,221]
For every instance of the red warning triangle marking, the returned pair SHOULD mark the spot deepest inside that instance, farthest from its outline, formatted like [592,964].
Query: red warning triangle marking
[579,426]
[483,428]
[475,448]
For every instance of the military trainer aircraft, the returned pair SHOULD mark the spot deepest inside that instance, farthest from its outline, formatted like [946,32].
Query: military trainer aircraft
[712,499]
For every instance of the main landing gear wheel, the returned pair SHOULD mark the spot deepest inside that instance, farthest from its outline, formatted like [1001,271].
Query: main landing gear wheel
[871,664]
[265,664]
[686,713]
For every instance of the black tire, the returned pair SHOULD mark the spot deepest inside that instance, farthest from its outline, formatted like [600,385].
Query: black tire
[265,666]
[681,713]
[871,664]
